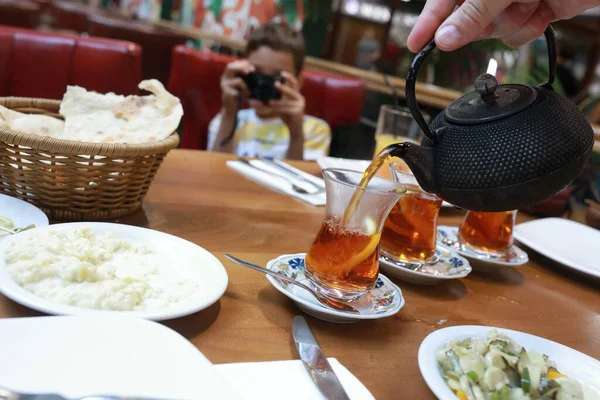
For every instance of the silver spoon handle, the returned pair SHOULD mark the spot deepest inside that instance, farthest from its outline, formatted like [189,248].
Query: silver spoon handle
[266,271]
[10,231]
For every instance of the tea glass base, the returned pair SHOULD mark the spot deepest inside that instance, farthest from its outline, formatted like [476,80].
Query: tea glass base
[333,293]
[483,254]
[412,265]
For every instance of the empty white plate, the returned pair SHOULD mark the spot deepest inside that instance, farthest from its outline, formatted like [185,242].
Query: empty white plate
[570,243]
[21,212]
[82,356]
[209,271]
[572,363]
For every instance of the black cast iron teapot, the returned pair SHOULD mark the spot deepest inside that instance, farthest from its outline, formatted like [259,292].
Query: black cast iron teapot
[500,147]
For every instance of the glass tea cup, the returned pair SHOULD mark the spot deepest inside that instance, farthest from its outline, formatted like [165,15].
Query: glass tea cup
[343,261]
[488,232]
[395,125]
[409,236]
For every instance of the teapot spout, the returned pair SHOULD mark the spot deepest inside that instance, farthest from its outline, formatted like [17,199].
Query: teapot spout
[420,160]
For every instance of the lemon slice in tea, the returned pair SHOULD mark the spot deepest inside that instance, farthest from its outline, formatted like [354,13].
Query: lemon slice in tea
[370,245]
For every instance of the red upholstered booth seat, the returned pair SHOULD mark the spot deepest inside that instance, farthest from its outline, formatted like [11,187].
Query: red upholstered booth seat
[37,64]
[195,79]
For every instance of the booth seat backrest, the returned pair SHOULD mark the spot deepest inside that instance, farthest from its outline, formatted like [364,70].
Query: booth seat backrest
[39,64]
[195,79]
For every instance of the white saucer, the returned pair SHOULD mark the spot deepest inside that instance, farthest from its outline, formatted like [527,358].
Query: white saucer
[515,257]
[449,266]
[384,300]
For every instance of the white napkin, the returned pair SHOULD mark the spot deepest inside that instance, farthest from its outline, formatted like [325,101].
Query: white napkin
[285,380]
[345,163]
[279,184]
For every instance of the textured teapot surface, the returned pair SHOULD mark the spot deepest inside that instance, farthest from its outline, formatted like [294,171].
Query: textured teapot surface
[501,147]
[536,142]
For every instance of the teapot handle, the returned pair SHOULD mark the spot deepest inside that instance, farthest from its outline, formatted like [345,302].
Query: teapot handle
[411,78]
[551,41]
[410,92]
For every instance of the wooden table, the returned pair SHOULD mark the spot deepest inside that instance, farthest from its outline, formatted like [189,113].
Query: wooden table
[195,196]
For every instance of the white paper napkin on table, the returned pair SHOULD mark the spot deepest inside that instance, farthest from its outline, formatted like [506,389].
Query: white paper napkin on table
[278,184]
[285,380]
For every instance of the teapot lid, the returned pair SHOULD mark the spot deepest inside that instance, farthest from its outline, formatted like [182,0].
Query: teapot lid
[490,102]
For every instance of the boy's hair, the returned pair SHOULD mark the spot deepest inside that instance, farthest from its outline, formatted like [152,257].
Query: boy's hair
[279,37]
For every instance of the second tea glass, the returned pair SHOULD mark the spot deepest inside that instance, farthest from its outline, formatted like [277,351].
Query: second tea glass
[342,263]
[410,231]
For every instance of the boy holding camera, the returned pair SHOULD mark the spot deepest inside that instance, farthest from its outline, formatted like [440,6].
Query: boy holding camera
[275,126]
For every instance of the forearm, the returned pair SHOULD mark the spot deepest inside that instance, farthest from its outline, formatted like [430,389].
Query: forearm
[224,133]
[296,149]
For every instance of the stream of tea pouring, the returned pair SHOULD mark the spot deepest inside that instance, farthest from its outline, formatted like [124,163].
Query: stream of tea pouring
[393,150]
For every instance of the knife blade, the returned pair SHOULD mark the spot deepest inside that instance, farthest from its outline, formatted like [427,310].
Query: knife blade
[315,362]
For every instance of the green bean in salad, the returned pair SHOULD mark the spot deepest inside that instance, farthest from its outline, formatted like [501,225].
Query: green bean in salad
[498,368]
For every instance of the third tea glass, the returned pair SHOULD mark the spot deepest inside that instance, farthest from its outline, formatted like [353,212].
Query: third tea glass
[410,231]
[395,125]
[488,232]
[342,263]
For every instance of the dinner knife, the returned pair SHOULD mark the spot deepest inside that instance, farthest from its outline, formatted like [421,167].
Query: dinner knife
[315,362]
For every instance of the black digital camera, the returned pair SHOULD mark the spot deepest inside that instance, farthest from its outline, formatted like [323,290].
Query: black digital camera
[262,86]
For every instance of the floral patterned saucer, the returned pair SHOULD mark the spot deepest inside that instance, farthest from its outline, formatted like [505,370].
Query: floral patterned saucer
[383,301]
[448,264]
[514,257]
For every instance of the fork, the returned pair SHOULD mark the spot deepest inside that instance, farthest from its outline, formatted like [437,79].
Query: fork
[296,188]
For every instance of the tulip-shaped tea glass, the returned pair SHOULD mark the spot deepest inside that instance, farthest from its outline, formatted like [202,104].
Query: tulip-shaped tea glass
[410,231]
[488,233]
[342,263]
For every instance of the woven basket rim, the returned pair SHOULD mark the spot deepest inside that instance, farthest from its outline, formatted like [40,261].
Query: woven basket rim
[75,147]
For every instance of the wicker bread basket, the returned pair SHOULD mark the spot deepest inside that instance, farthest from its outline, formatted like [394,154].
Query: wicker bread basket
[75,181]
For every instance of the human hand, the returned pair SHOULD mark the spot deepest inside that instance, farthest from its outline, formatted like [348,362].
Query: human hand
[292,104]
[232,84]
[458,22]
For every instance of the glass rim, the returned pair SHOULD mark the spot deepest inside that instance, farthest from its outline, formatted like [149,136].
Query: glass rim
[399,190]
[418,189]
[395,163]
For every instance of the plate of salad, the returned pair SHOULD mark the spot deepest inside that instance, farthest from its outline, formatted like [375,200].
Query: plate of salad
[486,363]
[18,215]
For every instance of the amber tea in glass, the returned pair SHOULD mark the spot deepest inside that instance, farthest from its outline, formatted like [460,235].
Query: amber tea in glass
[488,232]
[342,262]
[346,259]
[410,231]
